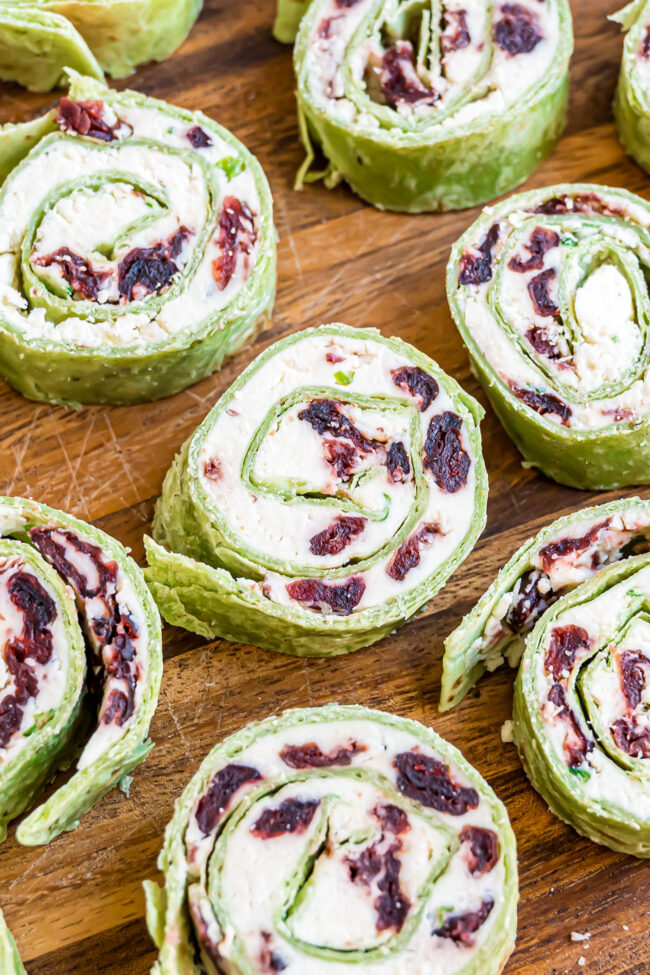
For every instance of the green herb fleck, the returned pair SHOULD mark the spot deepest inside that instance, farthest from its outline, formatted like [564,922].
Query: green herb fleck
[170,130]
[231,165]
[343,378]
[580,773]
[569,241]
[614,338]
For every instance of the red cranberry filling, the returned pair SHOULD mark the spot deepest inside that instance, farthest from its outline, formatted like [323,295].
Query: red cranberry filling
[456,35]
[198,137]
[84,280]
[566,641]
[311,756]
[550,553]
[399,78]
[461,928]
[632,666]
[393,819]
[543,403]
[291,816]
[398,464]
[322,597]
[149,270]
[482,849]
[529,603]
[392,905]
[418,384]
[518,31]
[407,555]
[333,539]
[475,269]
[223,787]
[444,454]
[542,240]
[237,235]
[538,289]
[86,118]
[576,744]
[427,780]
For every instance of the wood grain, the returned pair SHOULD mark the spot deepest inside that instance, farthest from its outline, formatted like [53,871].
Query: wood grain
[77,905]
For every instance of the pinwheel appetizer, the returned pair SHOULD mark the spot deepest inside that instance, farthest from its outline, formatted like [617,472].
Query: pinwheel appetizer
[548,290]
[426,105]
[137,248]
[326,498]
[582,707]
[334,838]
[80,661]
[10,963]
[560,557]
[39,39]
[632,101]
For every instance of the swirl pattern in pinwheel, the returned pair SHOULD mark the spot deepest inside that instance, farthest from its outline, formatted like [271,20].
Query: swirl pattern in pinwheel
[429,104]
[549,292]
[334,838]
[328,495]
[80,661]
[137,248]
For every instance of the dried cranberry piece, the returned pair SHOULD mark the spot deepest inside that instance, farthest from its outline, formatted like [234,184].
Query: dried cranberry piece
[333,357]
[418,383]
[542,342]
[399,78]
[148,270]
[566,641]
[118,708]
[461,928]
[311,756]
[482,849]
[538,289]
[557,204]
[320,597]
[342,456]
[11,716]
[576,744]
[393,819]
[54,553]
[398,464]
[631,738]
[25,680]
[543,403]
[38,610]
[444,454]
[346,3]
[542,240]
[325,416]
[270,961]
[333,539]
[198,137]
[518,30]
[427,780]
[631,666]
[86,118]
[237,235]
[392,905]
[594,203]
[550,553]
[456,35]
[529,604]
[79,273]
[224,785]
[291,816]
[212,469]
[478,270]
[407,555]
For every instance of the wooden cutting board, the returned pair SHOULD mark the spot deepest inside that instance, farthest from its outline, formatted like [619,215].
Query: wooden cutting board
[77,905]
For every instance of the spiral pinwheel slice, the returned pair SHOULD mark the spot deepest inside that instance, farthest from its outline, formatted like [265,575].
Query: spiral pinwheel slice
[332,838]
[433,105]
[582,707]
[137,249]
[560,557]
[325,499]
[549,293]
[39,39]
[632,101]
[10,963]
[80,661]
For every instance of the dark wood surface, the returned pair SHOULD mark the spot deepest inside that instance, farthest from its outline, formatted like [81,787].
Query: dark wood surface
[77,905]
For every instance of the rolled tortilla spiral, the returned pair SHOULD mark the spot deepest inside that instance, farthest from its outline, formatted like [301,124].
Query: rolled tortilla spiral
[332,838]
